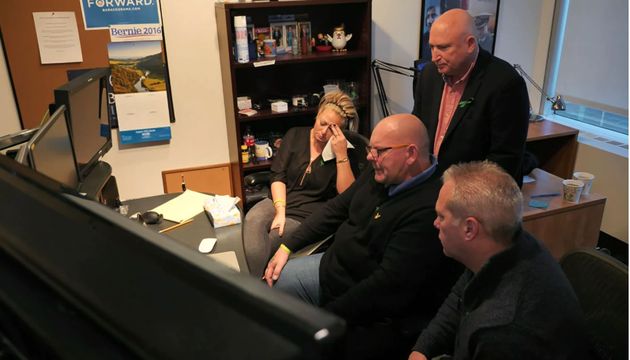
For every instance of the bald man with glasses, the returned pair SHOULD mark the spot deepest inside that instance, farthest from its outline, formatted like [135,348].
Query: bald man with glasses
[384,273]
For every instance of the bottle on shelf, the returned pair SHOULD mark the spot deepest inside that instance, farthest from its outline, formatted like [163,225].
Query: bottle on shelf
[250,141]
[244,154]
[242,48]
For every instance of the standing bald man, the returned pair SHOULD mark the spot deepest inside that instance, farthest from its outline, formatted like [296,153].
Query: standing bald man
[474,105]
[384,273]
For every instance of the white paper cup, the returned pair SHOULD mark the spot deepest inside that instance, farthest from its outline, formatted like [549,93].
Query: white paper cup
[586,178]
[572,189]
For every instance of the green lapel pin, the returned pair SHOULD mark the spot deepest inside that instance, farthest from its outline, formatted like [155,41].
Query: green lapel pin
[462,104]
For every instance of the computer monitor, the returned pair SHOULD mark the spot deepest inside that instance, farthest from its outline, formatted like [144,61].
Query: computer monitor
[85,97]
[82,281]
[50,152]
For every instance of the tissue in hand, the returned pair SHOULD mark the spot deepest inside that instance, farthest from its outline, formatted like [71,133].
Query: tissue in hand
[222,210]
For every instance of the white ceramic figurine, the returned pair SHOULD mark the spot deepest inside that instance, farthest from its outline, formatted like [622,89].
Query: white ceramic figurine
[339,38]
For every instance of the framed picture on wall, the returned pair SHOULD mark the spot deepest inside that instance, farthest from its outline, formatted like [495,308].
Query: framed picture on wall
[484,12]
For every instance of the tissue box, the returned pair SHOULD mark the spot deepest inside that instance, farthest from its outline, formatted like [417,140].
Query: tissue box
[222,211]
[244,102]
[279,106]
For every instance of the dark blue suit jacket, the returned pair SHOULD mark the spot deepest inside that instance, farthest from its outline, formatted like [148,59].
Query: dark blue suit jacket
[491,121]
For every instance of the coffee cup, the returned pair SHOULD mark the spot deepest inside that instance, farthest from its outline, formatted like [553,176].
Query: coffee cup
[572,189]
[263,150]
[586,178]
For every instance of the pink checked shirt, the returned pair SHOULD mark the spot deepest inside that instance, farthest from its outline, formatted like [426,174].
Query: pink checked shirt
[451,95]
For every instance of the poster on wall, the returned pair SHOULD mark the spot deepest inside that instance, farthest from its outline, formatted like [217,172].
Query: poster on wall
[101,14]
[139,84]
[484,12]
[57,37]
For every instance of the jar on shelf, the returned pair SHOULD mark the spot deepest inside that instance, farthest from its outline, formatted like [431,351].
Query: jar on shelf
[245,154]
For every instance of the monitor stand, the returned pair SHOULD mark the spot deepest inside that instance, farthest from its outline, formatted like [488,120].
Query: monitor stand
[101,186]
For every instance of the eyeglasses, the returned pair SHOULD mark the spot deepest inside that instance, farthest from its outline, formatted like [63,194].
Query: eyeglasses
[377,152]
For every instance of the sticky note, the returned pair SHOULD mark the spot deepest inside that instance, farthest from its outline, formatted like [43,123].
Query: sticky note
[539,204]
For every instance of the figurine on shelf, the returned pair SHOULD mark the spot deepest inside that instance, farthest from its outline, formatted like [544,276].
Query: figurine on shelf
[322,43]
[339,38]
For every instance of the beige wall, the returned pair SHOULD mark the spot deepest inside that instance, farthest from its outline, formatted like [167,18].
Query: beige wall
[611,180]
[199,134]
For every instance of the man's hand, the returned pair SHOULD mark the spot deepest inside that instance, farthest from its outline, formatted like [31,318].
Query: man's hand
[338,142]
[417,356]
[278,223]
[275,266]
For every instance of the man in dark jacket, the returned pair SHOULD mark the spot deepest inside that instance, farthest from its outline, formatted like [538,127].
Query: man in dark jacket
[513,301]
[474,105]
[385,268]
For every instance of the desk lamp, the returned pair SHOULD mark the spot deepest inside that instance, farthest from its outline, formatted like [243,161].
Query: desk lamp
[377,66]
[556,102]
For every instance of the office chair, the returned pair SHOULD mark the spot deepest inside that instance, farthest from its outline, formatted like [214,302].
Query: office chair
[600,283]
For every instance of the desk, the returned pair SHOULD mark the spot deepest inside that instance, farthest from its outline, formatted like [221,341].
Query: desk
[554,145]
[563,226]
[229,238]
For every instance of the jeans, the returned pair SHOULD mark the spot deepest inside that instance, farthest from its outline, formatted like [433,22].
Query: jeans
[300,278]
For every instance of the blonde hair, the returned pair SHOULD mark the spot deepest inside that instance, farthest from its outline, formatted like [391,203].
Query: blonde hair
[486,192]
[342,105]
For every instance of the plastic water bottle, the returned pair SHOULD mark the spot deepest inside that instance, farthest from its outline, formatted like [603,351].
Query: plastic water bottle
[242,49]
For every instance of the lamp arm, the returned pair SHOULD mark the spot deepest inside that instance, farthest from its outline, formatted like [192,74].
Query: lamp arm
[520,70]
[377,66]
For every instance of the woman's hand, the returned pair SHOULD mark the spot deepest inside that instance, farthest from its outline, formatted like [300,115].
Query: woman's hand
[338,142]
[278,223]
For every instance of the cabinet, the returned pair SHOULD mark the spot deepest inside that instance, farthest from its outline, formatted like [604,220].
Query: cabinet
[554,145]
[289,74]
[563,226]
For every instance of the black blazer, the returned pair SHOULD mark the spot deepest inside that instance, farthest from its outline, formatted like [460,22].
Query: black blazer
[491,120]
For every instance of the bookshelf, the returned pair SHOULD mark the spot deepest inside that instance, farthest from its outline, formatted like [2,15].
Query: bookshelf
[283,76]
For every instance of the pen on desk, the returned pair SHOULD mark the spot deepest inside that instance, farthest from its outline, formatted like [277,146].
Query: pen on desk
[176,226]
[545,195]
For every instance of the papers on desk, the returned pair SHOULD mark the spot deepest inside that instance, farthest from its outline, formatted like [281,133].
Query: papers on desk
[185,206]
[227,258]
[528,179]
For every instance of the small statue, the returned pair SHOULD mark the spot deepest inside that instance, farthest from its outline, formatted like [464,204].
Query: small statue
[339,38]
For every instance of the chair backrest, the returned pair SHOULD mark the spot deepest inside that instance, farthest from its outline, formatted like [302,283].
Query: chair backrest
[600,283]
[359,142]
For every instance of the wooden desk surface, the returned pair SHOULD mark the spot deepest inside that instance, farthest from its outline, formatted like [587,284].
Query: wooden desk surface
[563,226]
[548,129]
[548,183]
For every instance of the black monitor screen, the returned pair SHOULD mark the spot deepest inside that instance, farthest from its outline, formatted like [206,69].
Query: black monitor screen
[82,281]
[85,97]
[50,151]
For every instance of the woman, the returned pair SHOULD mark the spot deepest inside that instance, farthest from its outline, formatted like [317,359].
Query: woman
[302,178]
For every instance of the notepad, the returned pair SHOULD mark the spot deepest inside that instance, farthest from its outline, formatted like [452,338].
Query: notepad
[185,206]
[227,258]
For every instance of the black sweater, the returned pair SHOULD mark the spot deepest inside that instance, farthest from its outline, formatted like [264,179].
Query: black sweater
[386,260]
[518,306]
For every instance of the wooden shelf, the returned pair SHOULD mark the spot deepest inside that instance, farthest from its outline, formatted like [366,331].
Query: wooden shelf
[261,165]
[268,114]
[289,59]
